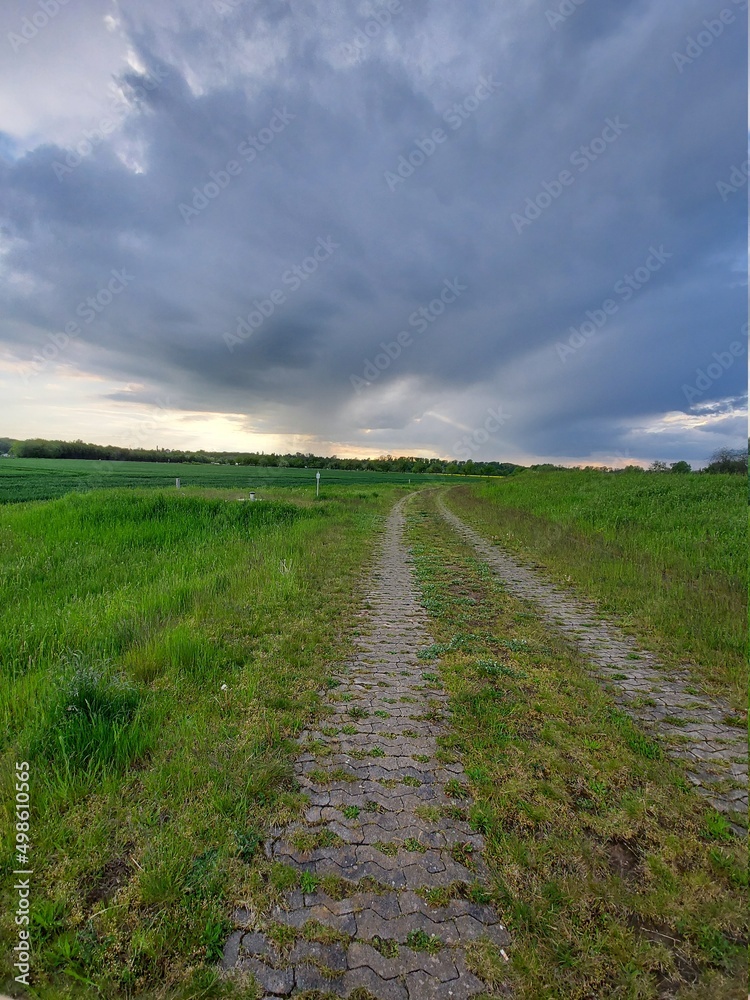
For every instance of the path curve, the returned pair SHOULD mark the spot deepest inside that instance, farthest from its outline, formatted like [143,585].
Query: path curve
[382,829]
[688,726]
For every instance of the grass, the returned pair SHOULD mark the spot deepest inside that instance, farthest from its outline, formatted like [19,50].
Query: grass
[614,878]
[422,941]
[159,652]
[663,554]
[46,478]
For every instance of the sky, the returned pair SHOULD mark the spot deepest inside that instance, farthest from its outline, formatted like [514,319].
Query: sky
[490,230]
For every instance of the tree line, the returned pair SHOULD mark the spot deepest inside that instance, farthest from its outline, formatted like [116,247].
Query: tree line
[42,448]
[724,460]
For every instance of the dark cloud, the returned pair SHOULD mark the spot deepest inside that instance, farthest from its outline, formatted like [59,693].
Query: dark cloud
[318,122]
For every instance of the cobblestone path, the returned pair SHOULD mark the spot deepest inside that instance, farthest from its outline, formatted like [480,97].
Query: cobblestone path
[392,887]
[688,724]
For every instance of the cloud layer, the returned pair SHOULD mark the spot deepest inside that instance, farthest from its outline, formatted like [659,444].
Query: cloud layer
[289,188]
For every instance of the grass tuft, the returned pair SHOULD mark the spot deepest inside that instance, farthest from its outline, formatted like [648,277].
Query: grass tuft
[92,725]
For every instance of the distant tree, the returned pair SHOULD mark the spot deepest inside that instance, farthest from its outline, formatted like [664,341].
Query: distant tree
[681,467]
[658,466]
[728,460]
[42,448]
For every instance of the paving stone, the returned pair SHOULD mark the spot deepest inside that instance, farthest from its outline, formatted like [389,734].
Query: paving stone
[254,944]
[310,977]
[422,986]
[371,924]
[277,982]
[330,956]
[468,984]
[366,978]
[231,950]
[338,907]
[388,907]
[344,923]
[439,967]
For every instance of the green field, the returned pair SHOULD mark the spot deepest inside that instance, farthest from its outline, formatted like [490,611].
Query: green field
[46,478]
[161,648]
[664,554]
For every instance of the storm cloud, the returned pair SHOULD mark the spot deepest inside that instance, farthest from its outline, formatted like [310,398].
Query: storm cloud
[290,187]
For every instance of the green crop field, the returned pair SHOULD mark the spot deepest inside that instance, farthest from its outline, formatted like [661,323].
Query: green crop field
[45,478]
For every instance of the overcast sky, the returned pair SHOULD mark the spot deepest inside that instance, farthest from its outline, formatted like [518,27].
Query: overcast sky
[494,229]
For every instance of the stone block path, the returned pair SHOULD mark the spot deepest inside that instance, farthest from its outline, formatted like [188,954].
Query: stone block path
[393,885]
[688,725]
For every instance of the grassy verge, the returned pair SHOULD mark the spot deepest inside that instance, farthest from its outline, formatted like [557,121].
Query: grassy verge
[159,651]
[663,554]
[615,879]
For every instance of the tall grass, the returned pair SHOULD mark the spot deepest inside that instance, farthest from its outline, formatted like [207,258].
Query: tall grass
[158,651]
[666,554]
[91,723]
[91,571]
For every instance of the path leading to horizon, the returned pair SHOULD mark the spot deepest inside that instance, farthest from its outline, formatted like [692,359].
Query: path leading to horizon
[689,726]
[393,890]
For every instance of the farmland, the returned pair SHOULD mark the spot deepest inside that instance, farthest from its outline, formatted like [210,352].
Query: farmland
[46,478]
[161,650]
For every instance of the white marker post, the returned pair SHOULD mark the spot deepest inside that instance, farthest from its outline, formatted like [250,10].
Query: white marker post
[177,483]
[317,484]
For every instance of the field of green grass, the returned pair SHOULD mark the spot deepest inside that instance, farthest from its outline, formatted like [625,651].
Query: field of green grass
[665,555]
[46,478]
[159,650]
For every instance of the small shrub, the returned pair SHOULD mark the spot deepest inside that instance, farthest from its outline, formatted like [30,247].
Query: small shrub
[308,882]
